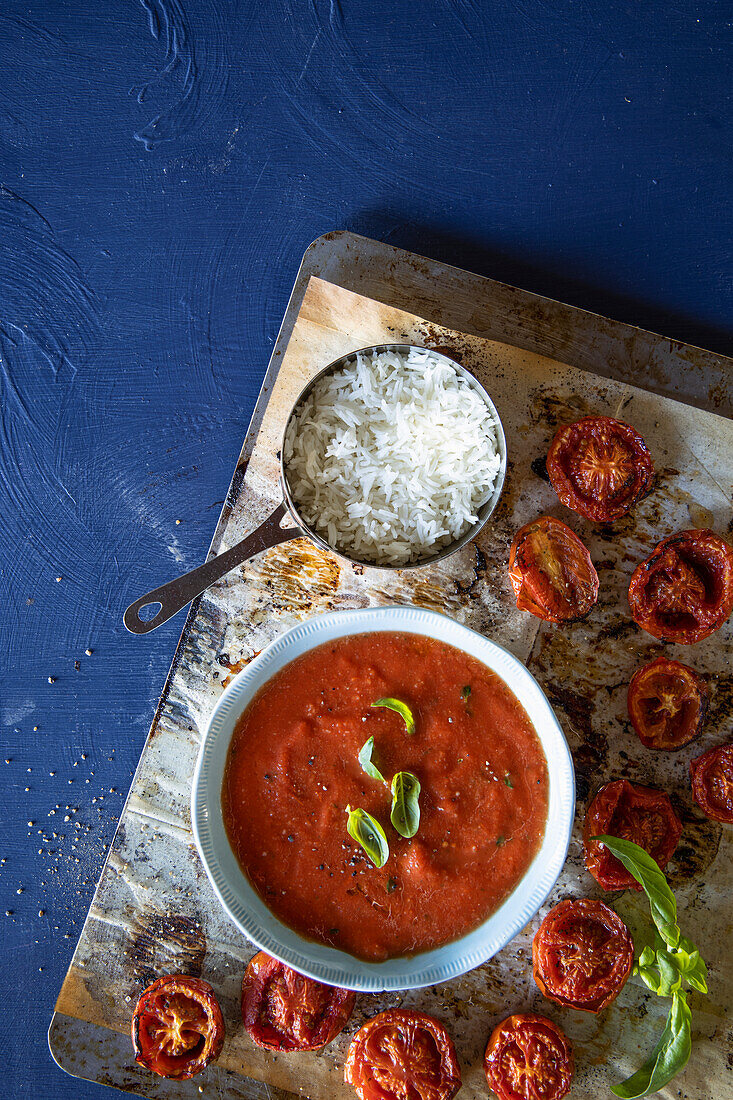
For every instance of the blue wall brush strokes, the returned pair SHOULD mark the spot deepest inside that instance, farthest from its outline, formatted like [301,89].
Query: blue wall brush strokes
[163,166]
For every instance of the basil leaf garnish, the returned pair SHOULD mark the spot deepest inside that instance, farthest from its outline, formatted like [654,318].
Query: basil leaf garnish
[669,973]
[647,873]
[365,759]
[669,1057]
[405,815]
[402,709]
[650,977]
[697,972]
[367,832]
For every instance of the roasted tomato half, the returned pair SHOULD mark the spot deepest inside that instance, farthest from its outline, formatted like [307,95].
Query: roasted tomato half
[551,572]
[403,1055]
[283,1010]
[529,1058]
[640,814]
[582,955]
[667,702]
[600,467]
[177,1027]
[684,590]
[712,783]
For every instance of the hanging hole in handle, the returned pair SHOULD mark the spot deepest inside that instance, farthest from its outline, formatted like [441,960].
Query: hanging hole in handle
[285,523]
[149,611]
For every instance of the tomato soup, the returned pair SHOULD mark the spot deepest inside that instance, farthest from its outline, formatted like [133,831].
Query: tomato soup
[293,768]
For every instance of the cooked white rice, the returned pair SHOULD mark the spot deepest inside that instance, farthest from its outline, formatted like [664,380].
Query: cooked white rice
[390,458]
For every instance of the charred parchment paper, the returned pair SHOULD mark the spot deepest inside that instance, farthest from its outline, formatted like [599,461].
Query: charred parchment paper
[154,911]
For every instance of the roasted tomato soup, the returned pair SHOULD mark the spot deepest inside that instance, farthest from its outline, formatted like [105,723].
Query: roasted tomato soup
[293,768]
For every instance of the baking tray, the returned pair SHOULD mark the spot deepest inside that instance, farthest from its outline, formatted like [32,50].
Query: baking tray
[153,910]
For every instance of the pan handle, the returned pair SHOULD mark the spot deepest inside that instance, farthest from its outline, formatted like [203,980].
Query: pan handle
[176,594]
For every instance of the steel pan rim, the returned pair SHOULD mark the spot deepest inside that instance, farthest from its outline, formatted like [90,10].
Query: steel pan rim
[485,511]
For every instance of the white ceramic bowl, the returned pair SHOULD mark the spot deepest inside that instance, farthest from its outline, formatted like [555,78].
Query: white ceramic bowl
[328,964]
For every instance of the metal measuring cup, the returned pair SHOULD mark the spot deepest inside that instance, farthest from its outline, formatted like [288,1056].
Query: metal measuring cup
[177,593]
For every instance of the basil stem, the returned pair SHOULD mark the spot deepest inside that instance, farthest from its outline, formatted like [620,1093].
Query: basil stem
[402,709]
[663,968]
[405,815]
[367,832]
[669,1057]
[365,759]
[647,873]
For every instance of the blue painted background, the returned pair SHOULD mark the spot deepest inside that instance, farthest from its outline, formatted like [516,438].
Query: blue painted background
[163,166]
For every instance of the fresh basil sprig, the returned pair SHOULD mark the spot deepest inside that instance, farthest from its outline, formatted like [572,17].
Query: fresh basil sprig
[367,832]
[663,968]
[405,815]
[365,759]
[402,709]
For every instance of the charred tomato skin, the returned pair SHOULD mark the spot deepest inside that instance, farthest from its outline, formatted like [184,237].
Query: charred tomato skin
[397,1044]
[641,814]
[528,1057]
[600,467]
[177,1027]
[284,1010]
[667,702]
[712,783]
[551,572]
[582,955]
[683,591]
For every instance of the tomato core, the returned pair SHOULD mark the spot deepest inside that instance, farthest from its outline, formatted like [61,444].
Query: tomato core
[177,1027]
[632,812]
[551,571]
[582,954]
[529,1058]
[667,702]
[712,783]
[683,591]
[599,467]
[403,1055]
[284,1010]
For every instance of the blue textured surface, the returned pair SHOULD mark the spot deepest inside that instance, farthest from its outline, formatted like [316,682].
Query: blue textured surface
[163,166]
